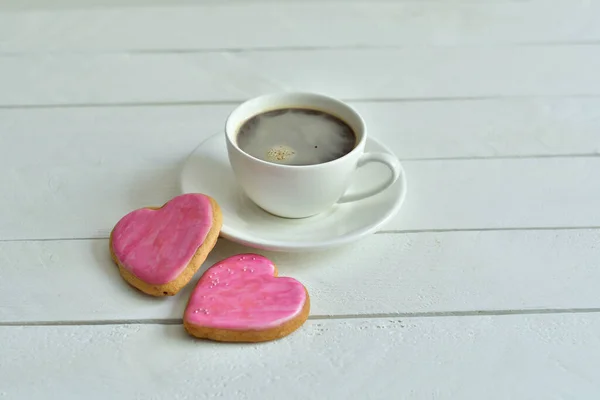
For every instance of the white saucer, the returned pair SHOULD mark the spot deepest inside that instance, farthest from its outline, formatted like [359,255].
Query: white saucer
[207,171]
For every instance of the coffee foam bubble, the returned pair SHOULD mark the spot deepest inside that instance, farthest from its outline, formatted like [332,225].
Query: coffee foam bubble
[281,154]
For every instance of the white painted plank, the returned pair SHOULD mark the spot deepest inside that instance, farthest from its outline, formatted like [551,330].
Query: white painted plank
[495,194]
[268,24]
[506,357]
[486,127]
[412,129]
[84,193]
[393,274]
[350,74]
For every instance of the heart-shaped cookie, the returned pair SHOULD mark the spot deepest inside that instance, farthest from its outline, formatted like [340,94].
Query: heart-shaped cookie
[158,250]
[241,299]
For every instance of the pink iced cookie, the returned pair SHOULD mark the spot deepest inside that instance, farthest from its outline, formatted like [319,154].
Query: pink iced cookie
[241,299]
[158,250]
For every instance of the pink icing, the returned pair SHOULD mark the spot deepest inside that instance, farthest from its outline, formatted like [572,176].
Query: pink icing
[157,245]
[241,293]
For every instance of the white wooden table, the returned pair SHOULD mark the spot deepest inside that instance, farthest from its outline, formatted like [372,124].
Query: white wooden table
[484,286]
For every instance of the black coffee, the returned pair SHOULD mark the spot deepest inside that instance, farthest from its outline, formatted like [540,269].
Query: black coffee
[296,136]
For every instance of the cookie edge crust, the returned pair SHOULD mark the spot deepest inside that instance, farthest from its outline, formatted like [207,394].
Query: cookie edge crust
[173,287]
[250,335]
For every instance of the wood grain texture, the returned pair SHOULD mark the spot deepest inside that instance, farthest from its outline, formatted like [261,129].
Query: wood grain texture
[408,73]
[210,25]
[502,357]
[383,274]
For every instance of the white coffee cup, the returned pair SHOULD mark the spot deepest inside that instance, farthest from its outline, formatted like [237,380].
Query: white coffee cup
[299,191]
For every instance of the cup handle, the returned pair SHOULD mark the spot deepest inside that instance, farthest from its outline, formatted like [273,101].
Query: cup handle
[384,158]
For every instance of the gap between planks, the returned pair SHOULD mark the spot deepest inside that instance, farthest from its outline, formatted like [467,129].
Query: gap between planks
[235,102]
[126,52]
[432,314]
[382,232]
